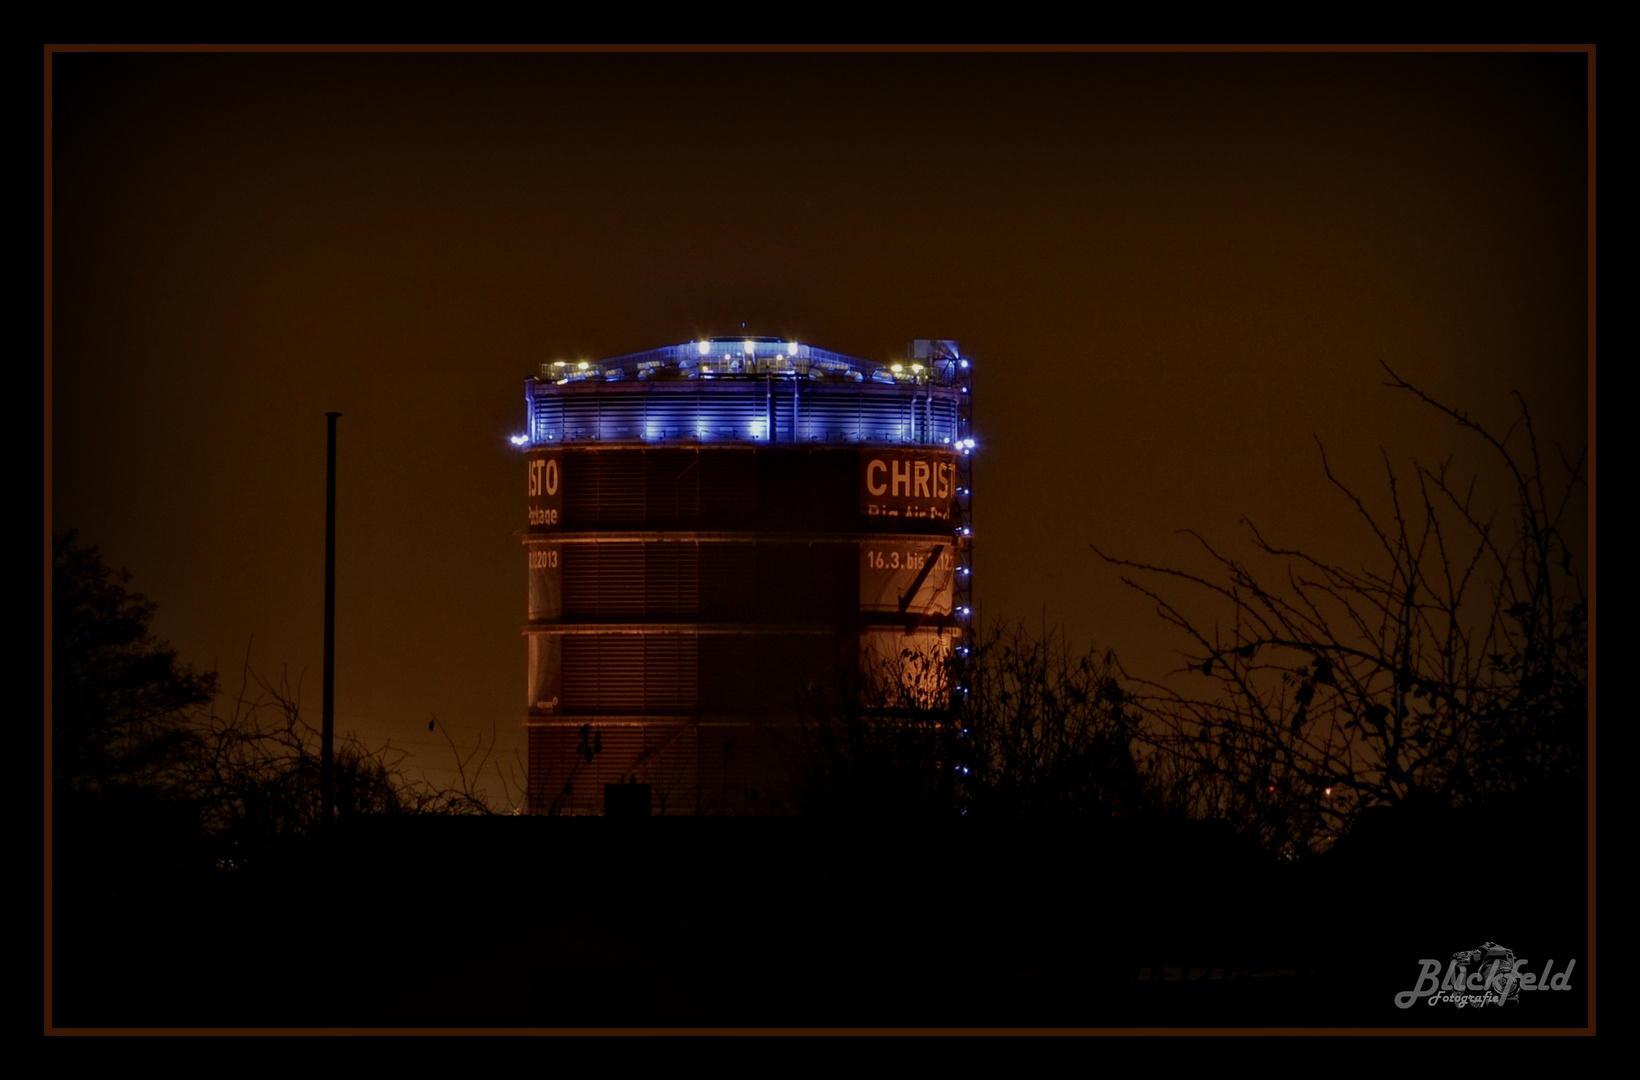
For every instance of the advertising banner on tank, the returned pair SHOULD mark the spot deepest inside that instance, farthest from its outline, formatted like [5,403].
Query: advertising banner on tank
[546,581]
[909,577]
[907,485]
[544,490]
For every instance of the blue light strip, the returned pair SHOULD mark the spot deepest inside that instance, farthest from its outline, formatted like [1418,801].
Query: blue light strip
[963,587]
[739,390]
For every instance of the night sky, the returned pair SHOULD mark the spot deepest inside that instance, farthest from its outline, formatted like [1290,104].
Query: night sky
[1174,273]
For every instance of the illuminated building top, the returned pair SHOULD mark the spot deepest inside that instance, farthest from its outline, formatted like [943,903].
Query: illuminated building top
[752,389]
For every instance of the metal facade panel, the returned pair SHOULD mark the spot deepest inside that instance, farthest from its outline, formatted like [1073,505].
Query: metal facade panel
[671,579]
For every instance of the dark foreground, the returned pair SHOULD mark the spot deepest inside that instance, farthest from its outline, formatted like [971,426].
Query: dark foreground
[529,922]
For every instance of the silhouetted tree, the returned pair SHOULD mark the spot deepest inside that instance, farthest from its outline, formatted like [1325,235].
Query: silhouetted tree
[1041,732]
[121,702]
[1451,670]
[1049,734]
[255,772]
[160,787]
[881,743]
[133,729]
[257,767]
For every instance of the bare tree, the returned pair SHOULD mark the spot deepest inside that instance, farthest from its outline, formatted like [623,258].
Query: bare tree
[131,723]
[1049,734]
[1452,669]
[880,742]
[1032,730]
[255,773]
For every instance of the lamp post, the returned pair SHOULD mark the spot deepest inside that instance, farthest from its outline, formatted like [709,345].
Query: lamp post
[327,731]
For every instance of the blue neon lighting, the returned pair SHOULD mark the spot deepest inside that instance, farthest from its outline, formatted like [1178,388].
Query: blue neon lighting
[771,390]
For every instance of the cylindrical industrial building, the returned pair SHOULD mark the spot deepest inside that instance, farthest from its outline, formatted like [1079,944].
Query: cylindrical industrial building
[716,529]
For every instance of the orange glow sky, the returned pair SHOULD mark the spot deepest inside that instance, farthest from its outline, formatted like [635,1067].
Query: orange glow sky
[1175,272]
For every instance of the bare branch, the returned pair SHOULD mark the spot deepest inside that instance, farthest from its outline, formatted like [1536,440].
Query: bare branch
[1451,668]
